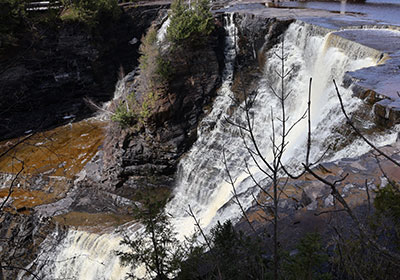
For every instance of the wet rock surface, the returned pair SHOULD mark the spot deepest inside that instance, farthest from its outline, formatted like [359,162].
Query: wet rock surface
[54,192]
[95,191]
[256,35]
[307,204]
[45,81]
[148,157]
[378,83]
[20,239]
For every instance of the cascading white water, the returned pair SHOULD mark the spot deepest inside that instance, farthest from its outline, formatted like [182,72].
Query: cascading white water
[201,162]
[201,174]
[162,32]
[84,255]
[121,88]
[200,178]
[91,256]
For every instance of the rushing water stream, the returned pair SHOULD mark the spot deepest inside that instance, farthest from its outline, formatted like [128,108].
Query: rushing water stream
[201,174]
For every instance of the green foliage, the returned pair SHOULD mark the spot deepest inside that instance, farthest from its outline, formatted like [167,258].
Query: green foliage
[164,68]
[147,106]
[190,24]
[124,115]
[12,14]
[16,20]
[233,256]
[148,49]
[156,247]
[386,221]
[306,263]
[387,201]
[236,257]
[155,68]
[90,12]
[131,110]
[356,258]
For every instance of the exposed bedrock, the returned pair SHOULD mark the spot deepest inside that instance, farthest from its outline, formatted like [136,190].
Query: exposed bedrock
[21,236]
[149,156]
[379,84]
[306,197]
[68,65]
[43,81]
[256,35]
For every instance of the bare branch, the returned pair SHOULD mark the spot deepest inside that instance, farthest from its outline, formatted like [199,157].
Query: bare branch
[391,256]
[16,144]
[197,224]
[329,211]
[379,151]
[10,189]
[368,197]
[235,195]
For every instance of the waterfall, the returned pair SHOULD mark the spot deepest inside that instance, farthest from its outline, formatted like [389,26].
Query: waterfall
[82,255]
[91,256]
[162,32]
[121,88]
[201,173]
[202,170]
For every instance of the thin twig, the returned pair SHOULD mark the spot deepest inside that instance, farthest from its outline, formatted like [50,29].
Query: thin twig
[379,151]
[235,195]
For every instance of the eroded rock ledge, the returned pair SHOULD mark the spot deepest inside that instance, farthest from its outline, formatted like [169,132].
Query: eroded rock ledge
[306,197]
[379,85]
[148,156]
[45,80]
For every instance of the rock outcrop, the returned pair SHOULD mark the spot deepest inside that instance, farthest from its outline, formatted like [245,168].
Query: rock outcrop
[44,81]
[149,156]
[20,239]
[307,204]
[256,35]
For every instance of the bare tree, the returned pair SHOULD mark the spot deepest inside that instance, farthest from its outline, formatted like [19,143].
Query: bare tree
[276,174]
[375,249]
[272,185]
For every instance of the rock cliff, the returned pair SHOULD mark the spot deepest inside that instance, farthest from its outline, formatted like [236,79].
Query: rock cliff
[45,80]
[149,155]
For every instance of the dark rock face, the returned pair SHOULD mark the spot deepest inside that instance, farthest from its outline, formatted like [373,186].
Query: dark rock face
[20,239]
[41,83]
[47,78]
[386,110]
[256,35]
[149,157]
